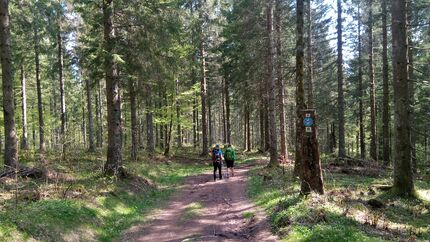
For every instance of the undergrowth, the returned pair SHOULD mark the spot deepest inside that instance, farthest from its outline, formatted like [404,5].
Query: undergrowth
[343,213]
[78,204]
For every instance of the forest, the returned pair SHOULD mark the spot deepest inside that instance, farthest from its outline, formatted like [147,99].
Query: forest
[113,109]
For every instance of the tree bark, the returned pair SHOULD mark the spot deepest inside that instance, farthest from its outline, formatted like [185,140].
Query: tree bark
[134,123]
[84,124]
[248,130]
[243,125]
[403,177]
[426,156]
[262,131]
[386,90]
[273,147]
[340,97]
[281,85]
[203,95]
[149,124]
[373,145]
[11,143]
[24,140]
[42,145]
[224,125]
[210,124]
[411,82]
[195,117]
[33,134]
[62,94]
[266,124]
[168,137]
[178,117]
[360,91]
[99,116]
[113,165]
[160,142]
[300,90]
[91,147]
[310,166]
[227,110]
[310,74]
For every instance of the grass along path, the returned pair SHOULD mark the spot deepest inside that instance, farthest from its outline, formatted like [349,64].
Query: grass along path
[81,205]
[343,213]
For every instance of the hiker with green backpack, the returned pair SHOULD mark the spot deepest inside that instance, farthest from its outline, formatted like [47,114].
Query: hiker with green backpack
[230,157]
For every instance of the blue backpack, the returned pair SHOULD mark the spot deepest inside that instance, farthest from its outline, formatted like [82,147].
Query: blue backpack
[216,154]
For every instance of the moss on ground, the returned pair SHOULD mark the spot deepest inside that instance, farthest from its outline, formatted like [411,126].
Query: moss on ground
[342,214]
[78,204]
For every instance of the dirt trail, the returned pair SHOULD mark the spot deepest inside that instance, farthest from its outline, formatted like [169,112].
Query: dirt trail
[221,217]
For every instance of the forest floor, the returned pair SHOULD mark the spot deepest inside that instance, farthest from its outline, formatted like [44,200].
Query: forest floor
[356,206]
[175,198]
[74,202]
[208,210]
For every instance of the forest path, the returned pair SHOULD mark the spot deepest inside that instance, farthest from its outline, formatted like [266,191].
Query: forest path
[205,210]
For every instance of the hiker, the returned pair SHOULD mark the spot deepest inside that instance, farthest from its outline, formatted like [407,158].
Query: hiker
[230,157]
[217,161]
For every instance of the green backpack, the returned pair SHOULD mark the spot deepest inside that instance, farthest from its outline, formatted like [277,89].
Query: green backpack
[229,154]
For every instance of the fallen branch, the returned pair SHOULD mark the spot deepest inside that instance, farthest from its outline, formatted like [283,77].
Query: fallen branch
[22,171]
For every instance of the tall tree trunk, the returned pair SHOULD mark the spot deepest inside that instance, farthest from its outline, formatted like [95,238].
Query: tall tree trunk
[403,177]
[227,110]
[203,94]
[245,145]
[210,124]
[411,87]
[262,132]
[178,117]
[62,94]
[84,123]
[373,145]
[310,74]
[300,90]
[198,125]
[224,125]
[53,110]
[426,155]
[34,136]
[91,147]
[157,134]
[195,117]
[55,136]
[11,143]
[113,165]
[248,130]
[24,140]
[149,124]
[168,136]
[266,125]
[412,102]
[340,97]
[386,90]
[160,126]
[42,145]
[134,123]
[99,116]
[273,147]
[281,85]
[360,91]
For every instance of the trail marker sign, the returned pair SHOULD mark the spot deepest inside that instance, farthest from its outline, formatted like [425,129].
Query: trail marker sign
[308,121]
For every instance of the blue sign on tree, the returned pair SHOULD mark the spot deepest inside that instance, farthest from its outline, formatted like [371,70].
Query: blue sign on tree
[308,122]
